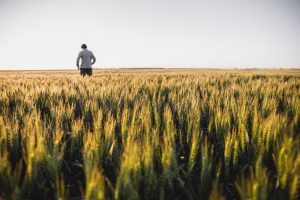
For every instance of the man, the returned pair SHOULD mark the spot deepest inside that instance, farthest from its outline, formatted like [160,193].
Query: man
[87,60]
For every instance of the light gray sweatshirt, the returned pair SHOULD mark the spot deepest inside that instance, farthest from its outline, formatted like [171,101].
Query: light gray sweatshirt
[87,59]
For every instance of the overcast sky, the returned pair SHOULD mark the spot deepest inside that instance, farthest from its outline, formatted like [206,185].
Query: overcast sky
[47,34]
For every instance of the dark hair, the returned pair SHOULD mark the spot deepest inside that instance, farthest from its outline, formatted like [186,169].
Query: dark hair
[83,46]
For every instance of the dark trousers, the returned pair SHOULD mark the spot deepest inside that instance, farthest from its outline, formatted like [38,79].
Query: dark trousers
[86,71]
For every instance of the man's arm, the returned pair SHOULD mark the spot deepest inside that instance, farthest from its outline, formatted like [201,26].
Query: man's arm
[93,59]
[78,59]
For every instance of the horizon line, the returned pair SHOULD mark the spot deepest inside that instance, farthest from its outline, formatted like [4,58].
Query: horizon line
[150,68]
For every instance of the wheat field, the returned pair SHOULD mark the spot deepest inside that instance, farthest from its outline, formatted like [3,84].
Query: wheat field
[150,134]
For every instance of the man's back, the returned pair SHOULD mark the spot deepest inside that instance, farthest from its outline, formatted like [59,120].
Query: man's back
[86,57]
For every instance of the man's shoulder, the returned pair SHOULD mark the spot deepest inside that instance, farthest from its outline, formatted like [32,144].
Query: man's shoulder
[90,52]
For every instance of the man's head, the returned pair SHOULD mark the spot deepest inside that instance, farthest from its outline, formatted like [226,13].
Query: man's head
[83,46]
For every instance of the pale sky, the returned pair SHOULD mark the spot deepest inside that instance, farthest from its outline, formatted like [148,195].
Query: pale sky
[47,34]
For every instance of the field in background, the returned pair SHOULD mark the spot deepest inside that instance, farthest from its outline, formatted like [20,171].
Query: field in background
[150,134]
